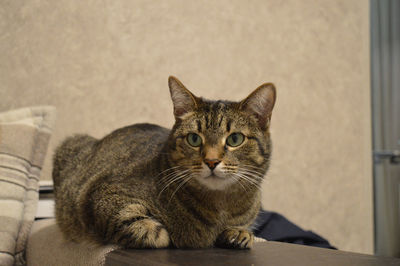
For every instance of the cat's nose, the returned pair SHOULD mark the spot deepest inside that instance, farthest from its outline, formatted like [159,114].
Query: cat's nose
[212,163]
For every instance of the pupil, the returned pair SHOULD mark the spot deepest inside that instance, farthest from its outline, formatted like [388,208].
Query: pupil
[194,138]
[234,138]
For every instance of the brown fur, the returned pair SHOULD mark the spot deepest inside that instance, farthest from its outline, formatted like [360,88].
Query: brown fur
[144,186]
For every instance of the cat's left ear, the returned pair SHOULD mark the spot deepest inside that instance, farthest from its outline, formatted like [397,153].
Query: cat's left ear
[184,101]
[260,104]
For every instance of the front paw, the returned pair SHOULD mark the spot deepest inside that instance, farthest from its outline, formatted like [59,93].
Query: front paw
[235,238]
[136,229]
[144,232]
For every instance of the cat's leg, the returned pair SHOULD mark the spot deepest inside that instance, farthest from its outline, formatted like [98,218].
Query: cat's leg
[135,228]
[235,237]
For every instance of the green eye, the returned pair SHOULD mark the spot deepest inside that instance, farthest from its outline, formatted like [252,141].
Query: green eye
[235,139]
[194,140]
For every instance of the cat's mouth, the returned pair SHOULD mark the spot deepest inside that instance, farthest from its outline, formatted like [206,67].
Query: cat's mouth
[214,176]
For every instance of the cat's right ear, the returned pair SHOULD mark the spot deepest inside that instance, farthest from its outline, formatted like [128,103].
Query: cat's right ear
[184,101]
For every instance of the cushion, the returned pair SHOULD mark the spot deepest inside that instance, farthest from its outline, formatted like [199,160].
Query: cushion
[46,236]
[24,137]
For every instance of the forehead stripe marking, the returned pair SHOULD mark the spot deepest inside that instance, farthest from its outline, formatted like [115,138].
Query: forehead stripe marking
[198,125]
[228,126]
[220,120]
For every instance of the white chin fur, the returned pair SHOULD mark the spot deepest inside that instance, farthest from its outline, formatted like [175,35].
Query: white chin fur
[215,181]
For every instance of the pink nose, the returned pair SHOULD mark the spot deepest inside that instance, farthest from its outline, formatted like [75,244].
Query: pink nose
[212,163]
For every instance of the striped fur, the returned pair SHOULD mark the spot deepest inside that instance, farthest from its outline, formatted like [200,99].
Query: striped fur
[144,186]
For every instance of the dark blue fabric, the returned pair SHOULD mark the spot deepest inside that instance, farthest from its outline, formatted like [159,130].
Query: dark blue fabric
[274,227]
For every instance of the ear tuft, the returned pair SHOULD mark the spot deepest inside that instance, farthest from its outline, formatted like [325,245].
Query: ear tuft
[260,104]
[183,100]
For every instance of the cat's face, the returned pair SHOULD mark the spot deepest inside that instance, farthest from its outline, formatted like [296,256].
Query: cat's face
[219,143]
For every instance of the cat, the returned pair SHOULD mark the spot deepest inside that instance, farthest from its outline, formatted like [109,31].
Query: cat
[145,186]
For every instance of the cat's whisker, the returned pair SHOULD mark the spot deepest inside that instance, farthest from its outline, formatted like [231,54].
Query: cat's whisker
[188,178]
[252,171]
[170,169]
[176,168]
[244,182]
[255,179]
[237,179]
[254,168]
[172,180]
[168,176]
[171,176]
[248,172]
[257,171]
[249,180]
[256,175]
[165,187]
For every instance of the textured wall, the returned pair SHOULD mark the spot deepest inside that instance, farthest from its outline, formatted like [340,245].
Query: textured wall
[104,64]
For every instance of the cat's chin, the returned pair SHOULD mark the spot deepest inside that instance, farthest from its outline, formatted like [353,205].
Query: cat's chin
[215,182]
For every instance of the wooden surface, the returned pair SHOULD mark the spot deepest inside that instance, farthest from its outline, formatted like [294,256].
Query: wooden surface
[269,253]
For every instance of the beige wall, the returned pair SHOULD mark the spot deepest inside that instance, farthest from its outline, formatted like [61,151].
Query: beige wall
[104,64]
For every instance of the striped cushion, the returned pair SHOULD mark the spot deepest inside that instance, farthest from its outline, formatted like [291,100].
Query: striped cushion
[24,136]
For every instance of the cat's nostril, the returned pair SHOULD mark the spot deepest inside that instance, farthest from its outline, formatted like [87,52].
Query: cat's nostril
[212,163]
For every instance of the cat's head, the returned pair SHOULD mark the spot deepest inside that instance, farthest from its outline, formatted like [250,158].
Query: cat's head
[220,143]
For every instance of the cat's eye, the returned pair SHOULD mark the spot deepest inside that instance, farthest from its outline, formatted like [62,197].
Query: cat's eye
[235,139]
[194,140]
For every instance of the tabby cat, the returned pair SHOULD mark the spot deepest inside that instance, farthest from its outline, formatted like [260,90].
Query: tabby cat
[145,186]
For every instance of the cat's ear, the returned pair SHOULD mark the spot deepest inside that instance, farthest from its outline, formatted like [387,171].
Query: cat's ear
[183,100]
[260,104]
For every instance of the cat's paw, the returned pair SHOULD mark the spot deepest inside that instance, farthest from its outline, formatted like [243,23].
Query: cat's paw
[144,232]
[138,230]
[235,238]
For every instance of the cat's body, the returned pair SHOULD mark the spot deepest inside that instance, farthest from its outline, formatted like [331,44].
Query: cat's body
[147,186]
